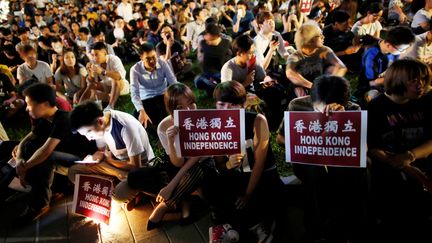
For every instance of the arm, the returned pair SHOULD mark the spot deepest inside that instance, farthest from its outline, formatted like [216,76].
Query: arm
[165,192]
[133,162]
[261,144]
[297,79]
[17,153]
[338,68]
[42,153]
[236,25]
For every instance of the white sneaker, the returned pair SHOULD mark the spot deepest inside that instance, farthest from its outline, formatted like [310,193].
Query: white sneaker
[263,232]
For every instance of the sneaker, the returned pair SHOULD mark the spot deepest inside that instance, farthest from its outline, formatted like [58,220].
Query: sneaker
[223,233]
[263,232]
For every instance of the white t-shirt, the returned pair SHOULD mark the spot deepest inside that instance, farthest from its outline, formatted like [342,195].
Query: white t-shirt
[366,29]
[420,49]
[126,137]
[420,17]
[125,11]
[42,72]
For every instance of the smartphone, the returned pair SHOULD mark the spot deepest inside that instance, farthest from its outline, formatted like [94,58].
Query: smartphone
[275,38]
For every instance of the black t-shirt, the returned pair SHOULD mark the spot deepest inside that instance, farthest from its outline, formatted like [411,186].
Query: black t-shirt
[10,62]
[45,40]
[336,40]
[6,87]
[397,128]
[59,128]
[215,56]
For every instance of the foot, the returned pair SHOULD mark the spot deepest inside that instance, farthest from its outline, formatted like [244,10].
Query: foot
[153,225]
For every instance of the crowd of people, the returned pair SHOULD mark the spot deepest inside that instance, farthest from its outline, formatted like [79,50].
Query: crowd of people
[62,69]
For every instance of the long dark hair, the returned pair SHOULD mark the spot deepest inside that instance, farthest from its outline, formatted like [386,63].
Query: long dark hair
[64,70]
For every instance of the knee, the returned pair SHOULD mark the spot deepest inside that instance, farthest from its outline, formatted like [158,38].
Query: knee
[123,193]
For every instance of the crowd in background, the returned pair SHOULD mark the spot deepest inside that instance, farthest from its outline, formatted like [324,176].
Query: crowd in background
[63,68]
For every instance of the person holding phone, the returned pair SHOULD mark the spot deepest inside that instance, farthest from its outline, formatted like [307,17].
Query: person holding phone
[243,19]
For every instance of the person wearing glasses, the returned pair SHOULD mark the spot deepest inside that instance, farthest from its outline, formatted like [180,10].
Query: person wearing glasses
[150,77]
[312,59]
[369,24]
[399,147]
[378,58]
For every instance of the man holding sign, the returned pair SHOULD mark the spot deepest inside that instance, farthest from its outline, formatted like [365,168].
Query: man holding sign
[330,192]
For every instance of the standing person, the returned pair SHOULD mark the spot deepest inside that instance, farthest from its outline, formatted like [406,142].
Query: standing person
[70,77]
[107,76]
[399,146]
[49,142]
[247,181]
[149,80]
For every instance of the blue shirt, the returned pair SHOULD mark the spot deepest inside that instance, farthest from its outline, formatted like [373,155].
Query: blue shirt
[244,22]
[145,85]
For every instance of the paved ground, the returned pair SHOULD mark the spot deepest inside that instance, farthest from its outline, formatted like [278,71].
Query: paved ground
[60,225]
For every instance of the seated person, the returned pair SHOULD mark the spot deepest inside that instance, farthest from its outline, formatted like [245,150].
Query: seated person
[193,29]
[243,19]
[128,146]
[246,181]
[107,77]
[329,94]
[213,51]
[33,68]
[398,10]
[369,24]
[149,79]
[421,49]
[379,57]
[422,19]
[49,143]
[311,60]
[339,38]
[10,103]
[70,77]
[399,146]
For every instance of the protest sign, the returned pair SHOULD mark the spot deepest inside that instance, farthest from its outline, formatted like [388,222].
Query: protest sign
[209,132]
[335,140]
[306,6]
[92,197]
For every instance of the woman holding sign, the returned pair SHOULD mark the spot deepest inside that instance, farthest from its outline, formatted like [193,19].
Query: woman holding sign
[242,192]
[400,144]
[177,97]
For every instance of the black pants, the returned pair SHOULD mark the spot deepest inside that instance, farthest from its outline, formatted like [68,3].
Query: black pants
[155,109]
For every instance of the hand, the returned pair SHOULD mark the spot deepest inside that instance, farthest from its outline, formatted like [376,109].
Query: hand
[13,68]
[143,118]
[21,172]
[97,69]
[171,133]
[250,77]
[242,201]
[234,161]
[54,57]
[273,45]
[352,49]
[164,194]
[108,156]
[401,160]
[75,99]
[15,153]
[332,107]
[98,156]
